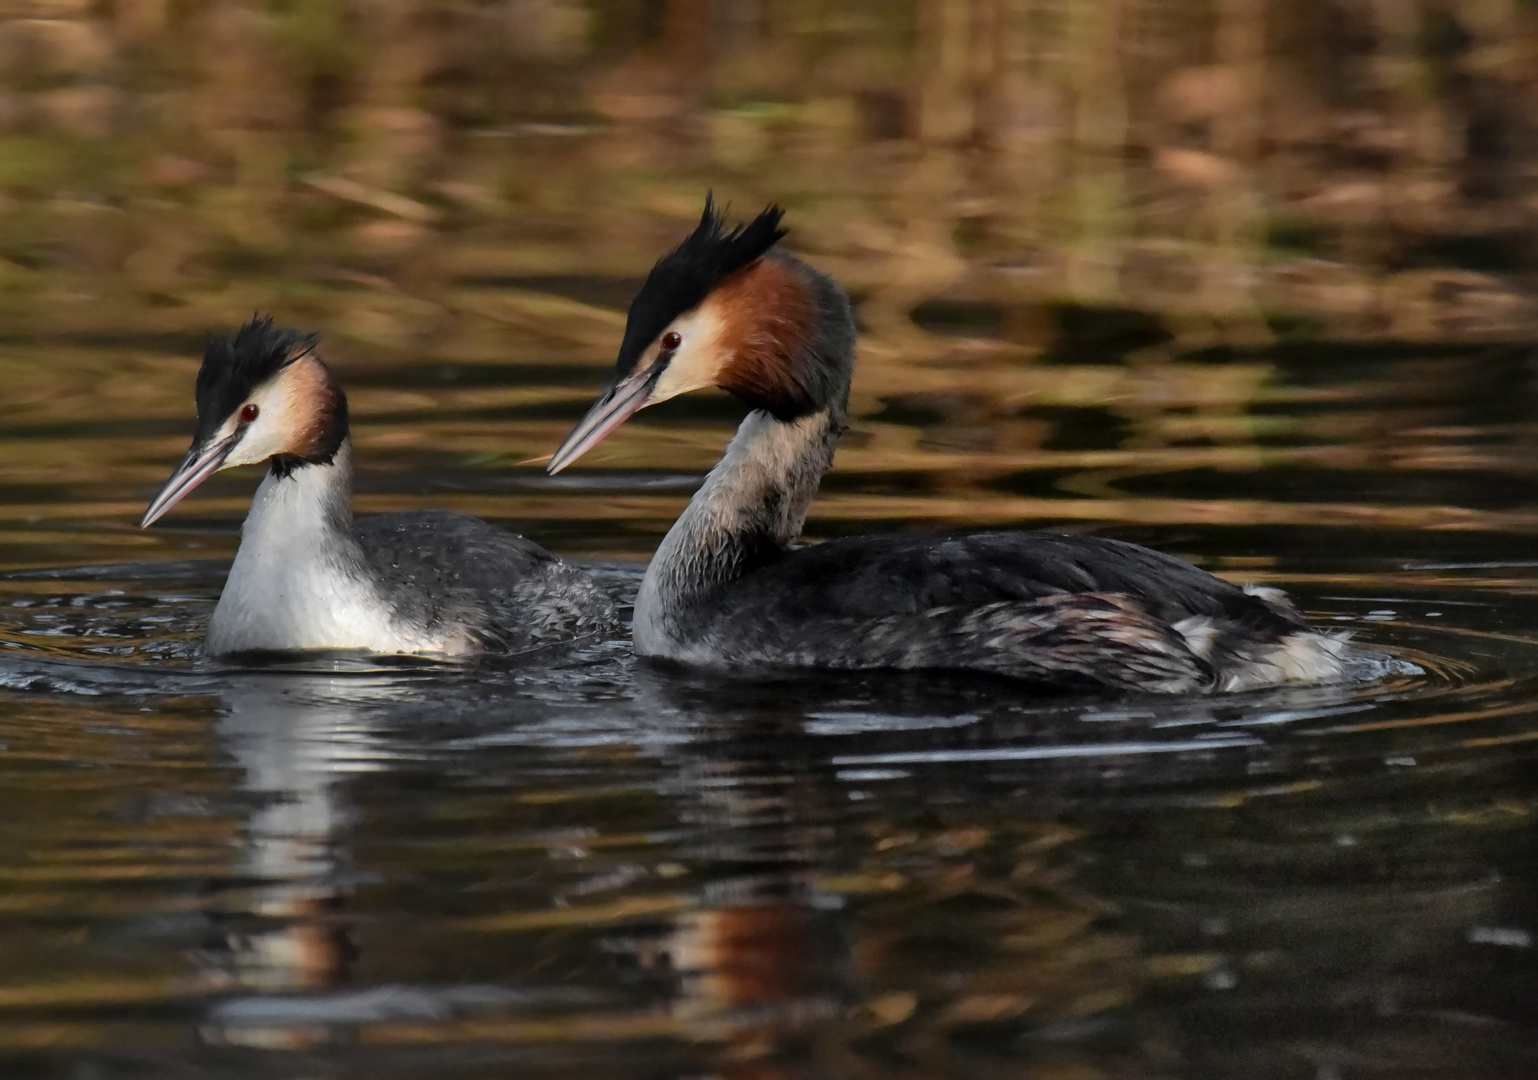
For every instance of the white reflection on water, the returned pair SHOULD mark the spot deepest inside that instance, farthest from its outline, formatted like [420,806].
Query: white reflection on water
[297,737]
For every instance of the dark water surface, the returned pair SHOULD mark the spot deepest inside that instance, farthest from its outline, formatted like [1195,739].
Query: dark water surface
[570,865]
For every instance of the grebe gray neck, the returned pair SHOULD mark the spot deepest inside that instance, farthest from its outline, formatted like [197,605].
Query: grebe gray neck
[789,337]
[749,511]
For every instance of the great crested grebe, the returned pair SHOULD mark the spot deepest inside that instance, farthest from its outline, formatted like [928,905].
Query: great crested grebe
[728,588]
[307,576]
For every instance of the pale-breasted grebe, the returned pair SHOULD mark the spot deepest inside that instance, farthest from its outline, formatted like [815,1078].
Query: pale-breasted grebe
[307,576]
[728,588]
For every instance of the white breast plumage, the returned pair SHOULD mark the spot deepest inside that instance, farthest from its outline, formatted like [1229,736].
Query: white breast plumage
[295,583]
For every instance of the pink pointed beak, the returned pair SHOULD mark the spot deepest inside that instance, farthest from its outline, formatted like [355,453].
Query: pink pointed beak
[198,466]
[623,400]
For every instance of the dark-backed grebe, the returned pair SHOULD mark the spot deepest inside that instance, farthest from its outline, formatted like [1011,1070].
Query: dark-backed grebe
[307,576]
[728,588]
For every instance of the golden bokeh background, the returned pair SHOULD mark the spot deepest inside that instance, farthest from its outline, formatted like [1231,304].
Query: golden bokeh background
[1238,168]
[1046,209]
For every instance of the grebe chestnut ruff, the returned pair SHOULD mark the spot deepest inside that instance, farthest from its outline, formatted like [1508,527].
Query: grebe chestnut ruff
[307,576]
[728,587]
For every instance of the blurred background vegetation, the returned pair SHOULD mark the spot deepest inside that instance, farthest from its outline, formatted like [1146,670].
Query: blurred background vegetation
[1225,171]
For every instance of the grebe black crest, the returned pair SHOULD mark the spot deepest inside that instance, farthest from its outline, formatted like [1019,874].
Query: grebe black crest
[729,588]
[688,274]
[307,575]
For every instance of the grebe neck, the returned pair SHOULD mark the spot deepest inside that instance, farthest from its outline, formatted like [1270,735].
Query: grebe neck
[299,499]
[750,509]
[299,579]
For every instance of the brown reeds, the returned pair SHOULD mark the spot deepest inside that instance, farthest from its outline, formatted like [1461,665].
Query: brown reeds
[1236,168]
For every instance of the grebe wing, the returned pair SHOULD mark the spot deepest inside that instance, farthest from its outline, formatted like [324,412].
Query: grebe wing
[905,573]
[1055,609]
[438,567]
[446,549]
[1071,640]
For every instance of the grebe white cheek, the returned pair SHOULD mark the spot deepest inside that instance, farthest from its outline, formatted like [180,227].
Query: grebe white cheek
[729,588]
[307,575]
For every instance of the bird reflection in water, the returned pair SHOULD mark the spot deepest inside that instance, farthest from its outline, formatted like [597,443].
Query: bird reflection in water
[283,930]
[761,940]
[761,956]
[816,933]
[784,913]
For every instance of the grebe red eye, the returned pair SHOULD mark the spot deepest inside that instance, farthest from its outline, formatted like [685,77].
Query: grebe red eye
[671,340]
[249,413]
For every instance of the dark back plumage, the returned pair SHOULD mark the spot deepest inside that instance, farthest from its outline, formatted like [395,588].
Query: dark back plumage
[235,366]
[435,568]
[685,276]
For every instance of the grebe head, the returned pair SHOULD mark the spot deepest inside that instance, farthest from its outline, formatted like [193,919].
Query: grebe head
[726,308]
[262,395]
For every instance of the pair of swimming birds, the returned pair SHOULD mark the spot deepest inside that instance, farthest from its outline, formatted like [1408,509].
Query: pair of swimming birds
[729,588]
